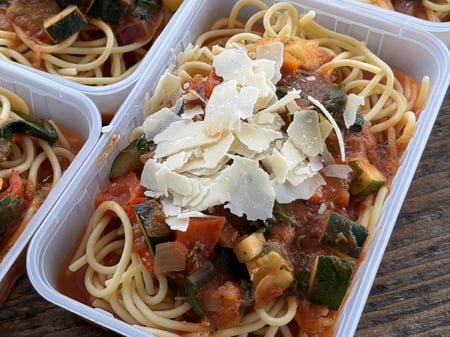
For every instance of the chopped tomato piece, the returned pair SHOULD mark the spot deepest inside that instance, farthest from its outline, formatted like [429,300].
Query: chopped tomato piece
[200,238]
[221,302]
[15,185]
[203,230]
[211,82]
[125,190]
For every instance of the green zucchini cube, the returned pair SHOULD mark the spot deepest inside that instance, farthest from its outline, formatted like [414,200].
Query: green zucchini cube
[329,280]
[66,23]
[343,235]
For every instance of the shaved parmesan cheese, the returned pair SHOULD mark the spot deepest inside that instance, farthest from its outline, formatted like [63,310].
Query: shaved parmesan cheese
[191,113]
[257,139]
[227,106]
[337,171]
[304,131]
[181,221]
[159,121]
[245,189]
[235,64]
[180,136]
[239,155]
[167,91]
[316,163]
[339,136]
[232,64]
[353,101]
[291,154]
[286,193]
[277,166]
[289,97]
[272,51]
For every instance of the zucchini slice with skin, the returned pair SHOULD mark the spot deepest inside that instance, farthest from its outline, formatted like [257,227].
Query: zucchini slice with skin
[329,280]
[129,159]
[110,11]
[367,179]
[343,235]
[66,23]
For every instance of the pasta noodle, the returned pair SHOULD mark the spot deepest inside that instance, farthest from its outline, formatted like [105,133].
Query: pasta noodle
[94,56]
[431,10]
[111,259]
[30,164]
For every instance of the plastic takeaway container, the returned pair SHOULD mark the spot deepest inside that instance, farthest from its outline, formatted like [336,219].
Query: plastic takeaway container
[69,218]
[68,108]
[440,29]
[109,97]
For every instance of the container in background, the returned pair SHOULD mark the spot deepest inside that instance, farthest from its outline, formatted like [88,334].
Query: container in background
[69,109]
[109,97]
[439,29]
[68,220]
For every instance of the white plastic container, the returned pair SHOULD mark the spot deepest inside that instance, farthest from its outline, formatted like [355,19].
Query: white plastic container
[67,108]
[68,219]
[440,29]
[108,98]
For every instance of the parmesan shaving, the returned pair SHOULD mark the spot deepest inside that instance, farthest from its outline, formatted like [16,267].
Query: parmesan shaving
[353,101]
[339,136]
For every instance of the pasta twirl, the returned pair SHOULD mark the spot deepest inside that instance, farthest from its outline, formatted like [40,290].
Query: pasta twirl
[263,162]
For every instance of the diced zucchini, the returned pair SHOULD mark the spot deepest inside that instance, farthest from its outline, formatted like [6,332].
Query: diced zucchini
[367,179]
[329,280]
[265,264]
[144,9]
[110,11]
[249,247]
[343,234]
[66,23]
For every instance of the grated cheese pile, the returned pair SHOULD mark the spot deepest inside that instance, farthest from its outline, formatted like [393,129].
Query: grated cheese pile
[237,156]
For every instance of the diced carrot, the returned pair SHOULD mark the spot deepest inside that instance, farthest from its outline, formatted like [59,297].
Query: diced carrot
[290,63]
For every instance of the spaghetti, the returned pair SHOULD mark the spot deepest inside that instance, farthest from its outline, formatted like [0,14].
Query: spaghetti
[101,53]
[431,10]
[33,156]
[244,159]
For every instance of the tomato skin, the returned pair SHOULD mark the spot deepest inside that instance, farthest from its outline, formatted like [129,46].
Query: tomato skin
[126,191]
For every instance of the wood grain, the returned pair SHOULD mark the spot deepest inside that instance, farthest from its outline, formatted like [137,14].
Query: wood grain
[409,298]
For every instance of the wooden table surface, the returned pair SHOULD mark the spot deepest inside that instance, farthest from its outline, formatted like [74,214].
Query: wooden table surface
[411,293]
